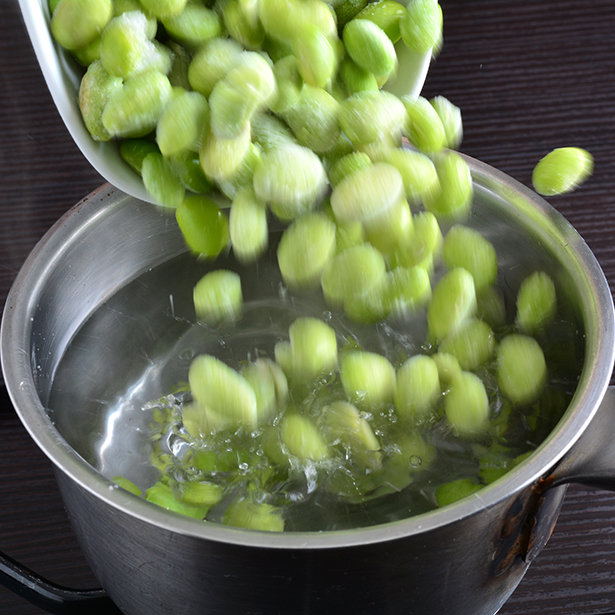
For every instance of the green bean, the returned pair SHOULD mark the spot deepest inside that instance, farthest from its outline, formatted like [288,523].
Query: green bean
[213,61]
[314,119]
[417,171]
[76,23]
[346,165]
[367,192]
[387,15]
[134,109]
[345,424]
[270,387]
[282,19]
[448,367]
[289,84]
[228,397]
[315,55]
[406,290]
[453,201]
[187,166]
[305,248]
[347,235]
[164,8]
[455,490]
[244,175]
[161,181]
[423,127]
[162,495]
[128,485]
[368,379]
[203,225]
[467,248]
[536,302]
[182,124]
[370,47]
[352,273]
[421,27]
[355,78]
[241,21]
[291,180]
[490,307]
[452,303]
[203,493]
[562,170]
[126,49]
[521,368]
[217,297]
[347,10]
[248,226]
[88,54]
[96,88]
[193,26]
[270,133]
[313,348]
[302,438]
[235,98]
[385,230]
[134,151]
[222,158]
[417,389]
[472,344]
[466,404]
[422,245]
[254,516]
[450,115]
[368,116]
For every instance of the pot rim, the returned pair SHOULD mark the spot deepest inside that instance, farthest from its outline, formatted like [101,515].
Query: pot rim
[589,279]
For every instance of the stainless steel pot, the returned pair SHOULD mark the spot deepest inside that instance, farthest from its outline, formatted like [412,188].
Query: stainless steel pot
[465,559]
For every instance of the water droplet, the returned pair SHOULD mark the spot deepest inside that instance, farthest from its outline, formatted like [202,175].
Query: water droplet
[415,461]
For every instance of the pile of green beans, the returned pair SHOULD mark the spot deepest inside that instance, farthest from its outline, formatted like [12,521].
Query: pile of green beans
[279,105]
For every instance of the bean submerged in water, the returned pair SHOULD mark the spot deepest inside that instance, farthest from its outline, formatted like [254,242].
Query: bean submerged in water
[368,378]
[466,404]
[452,303]
[521,368]
[417,388]
[227,396]
[536,302]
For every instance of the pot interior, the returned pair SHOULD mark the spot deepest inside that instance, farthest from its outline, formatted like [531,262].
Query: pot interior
[107,322]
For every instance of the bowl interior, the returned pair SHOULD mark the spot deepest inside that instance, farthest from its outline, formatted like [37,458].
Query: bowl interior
[63,76]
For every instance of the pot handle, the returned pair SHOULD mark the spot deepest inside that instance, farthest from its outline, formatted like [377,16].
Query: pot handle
[591,460]
[51,597]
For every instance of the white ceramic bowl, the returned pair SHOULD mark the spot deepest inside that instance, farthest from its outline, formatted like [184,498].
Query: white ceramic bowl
[63,76]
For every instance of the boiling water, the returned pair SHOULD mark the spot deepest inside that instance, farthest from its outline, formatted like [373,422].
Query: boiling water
[126,371]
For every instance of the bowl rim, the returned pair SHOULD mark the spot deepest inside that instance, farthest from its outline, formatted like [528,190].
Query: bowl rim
[599,353]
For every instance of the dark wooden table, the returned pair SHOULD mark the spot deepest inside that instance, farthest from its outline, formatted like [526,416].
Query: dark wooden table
[528,76]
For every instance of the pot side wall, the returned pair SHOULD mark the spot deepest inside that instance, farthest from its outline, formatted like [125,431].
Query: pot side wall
[469,567]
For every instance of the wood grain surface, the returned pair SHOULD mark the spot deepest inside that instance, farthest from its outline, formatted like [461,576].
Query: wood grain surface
[528,75]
